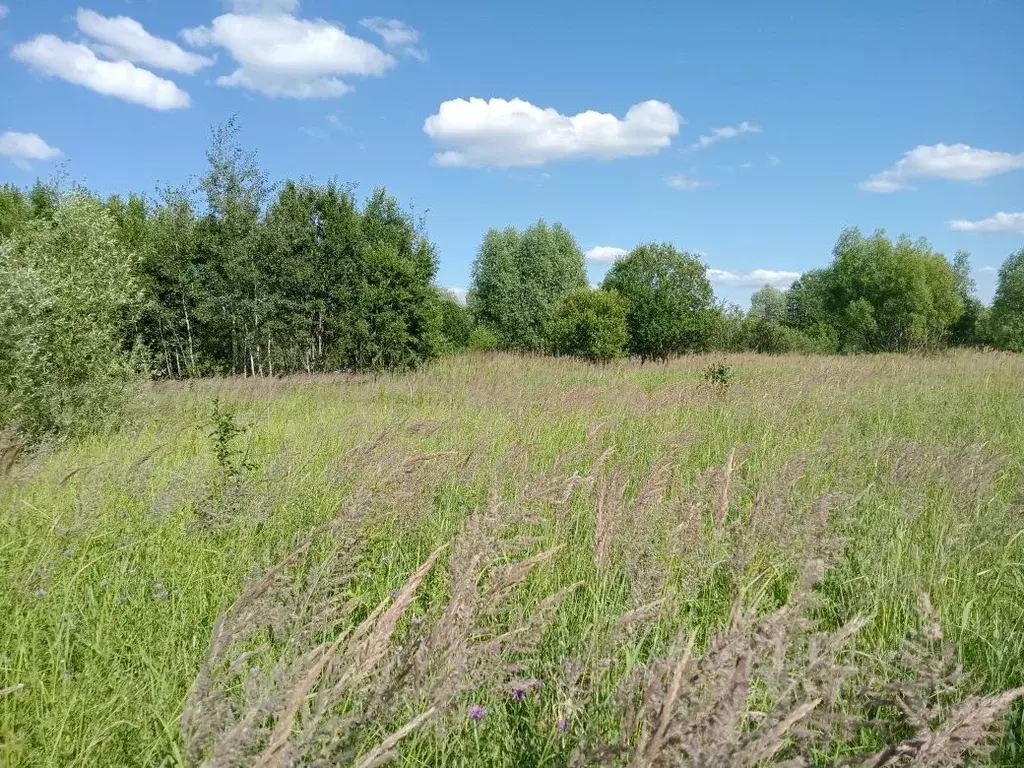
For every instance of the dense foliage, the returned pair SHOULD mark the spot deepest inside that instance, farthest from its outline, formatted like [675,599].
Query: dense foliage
[67,293]
[590,324]
[1008,307]
[671,305]
[519,277]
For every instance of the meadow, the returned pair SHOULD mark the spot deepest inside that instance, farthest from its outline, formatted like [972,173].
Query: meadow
[509,560]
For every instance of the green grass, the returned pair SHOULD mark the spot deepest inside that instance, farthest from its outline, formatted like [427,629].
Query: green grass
[118,552]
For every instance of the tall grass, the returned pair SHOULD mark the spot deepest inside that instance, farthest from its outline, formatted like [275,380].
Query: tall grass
[525,561]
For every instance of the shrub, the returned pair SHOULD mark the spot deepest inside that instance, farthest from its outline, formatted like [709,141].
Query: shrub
[483,339]
[67,293]
[590,324]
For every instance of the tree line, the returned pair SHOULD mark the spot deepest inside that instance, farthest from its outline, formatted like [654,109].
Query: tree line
[236,276]
[529,293]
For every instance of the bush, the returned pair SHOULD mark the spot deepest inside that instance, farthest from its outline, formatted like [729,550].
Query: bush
[671,304]
[483,339]
[67,294]
[590,324]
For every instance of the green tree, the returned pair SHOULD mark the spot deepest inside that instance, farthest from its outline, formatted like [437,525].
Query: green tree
[671,303]
[456,324]
[770,303]
[518,277]
[911,292]
[591,324]
[1007,320]
[968,330]
[67,289]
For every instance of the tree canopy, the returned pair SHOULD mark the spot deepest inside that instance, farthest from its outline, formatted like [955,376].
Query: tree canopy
[671,307]
[519,277]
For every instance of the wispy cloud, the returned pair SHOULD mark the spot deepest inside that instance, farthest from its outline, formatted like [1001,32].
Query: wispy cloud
[397,36]
[776,277]
[726,132]
[1000,222]
[956,162]
[22,148]
[683,181]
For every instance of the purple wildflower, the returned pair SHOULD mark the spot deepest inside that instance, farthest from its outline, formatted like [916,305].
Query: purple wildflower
[519,694]
[476,713]
[562,725]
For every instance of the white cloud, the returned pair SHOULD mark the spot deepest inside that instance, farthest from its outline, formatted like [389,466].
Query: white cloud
[1000,222]
[957,162]
[4,11]
[989,270]
[682,181]
[779,278]
[397,35]
[774,160]
[728,132]
[280,55]
[122,38]
[77,64]
[262,7]
[458,293]
[605,253]
[503,133]
[21,148]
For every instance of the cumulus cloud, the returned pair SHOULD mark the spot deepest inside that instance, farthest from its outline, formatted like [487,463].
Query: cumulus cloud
[778,278]
[989,270]
[774,160]
[1000,222]
[728,132]
[280,55]
[605,253]
[123,38]
[504,133]
[397,35]
[78,64]
[957,162]
[22,148]
[682,181]
[4,10]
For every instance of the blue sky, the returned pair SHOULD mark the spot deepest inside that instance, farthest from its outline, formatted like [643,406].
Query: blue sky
[907,116]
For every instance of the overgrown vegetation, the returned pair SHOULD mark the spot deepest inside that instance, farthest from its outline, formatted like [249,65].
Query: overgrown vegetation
[509,560]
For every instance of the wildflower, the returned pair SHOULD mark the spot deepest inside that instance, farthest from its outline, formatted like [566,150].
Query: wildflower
[476,713]
[562,725]
[40,592]
[519,694]
[121,599]
[159,591]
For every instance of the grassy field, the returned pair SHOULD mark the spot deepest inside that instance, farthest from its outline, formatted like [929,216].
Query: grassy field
[617,563]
